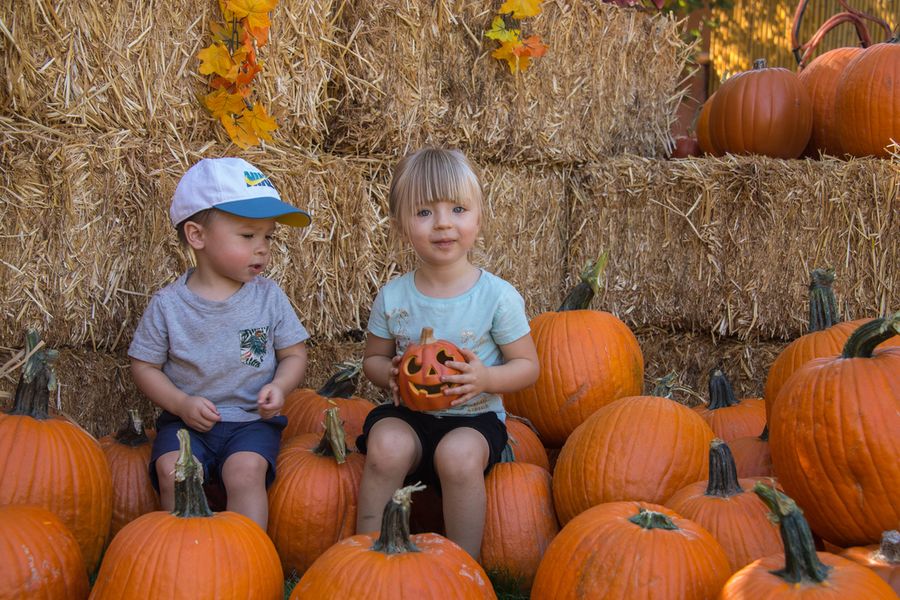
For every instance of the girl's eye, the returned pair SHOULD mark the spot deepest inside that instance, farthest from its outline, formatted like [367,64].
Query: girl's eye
[270,237]
[459,209]
[247,236]
[423,213]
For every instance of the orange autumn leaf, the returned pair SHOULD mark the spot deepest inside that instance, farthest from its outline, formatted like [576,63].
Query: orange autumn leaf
[260,122]
[239,131]
[217,59]
[221,103]
[521,9]
[512,53]
[533,47]
[255,11]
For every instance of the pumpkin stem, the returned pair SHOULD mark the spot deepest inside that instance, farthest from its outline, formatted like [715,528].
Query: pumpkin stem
[343,383]
[132,431]
[650,519]
[427,336]
[581,295]
[723,479]
[394,538]
[721,393]
[665,385]
[37,380]
[802,564]
[507,455]
[190,501]
[764,436]
[759,63]
[890,547]
[868,335]
[823,311]
[334,440]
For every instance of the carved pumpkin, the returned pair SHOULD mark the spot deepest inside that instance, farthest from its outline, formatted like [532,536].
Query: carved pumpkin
[729,417]
[883,559]
[421,368]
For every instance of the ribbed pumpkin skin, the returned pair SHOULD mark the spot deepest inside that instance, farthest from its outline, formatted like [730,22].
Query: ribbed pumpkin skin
[351,569]
[133,494]
[41,558]
[740,420]
[166,557]
[868,101]
[638,448]
[525,443]
[835,438]
[820,79]
[54,464]
[313,501]
[587,358]
[520,521]
[703,137]
[762,111]
[846,581]
[601,554]
[752,457]
[740,523]
[867,557]
[305,408]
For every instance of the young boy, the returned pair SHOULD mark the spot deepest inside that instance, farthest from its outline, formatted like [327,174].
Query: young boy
[218,349]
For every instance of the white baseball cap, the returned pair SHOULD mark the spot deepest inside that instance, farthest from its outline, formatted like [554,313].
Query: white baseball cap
[234,186]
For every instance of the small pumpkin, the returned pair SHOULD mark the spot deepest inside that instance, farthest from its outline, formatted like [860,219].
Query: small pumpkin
[752,456]
[703,137]
[420,371]
[729,417]
[883,559]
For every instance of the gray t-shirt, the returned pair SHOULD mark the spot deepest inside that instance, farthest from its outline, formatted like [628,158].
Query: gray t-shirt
[223,351]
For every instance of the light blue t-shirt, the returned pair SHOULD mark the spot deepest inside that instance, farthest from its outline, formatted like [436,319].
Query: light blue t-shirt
[489,314]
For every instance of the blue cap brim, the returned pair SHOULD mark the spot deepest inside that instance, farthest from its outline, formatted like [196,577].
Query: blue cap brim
[267,208]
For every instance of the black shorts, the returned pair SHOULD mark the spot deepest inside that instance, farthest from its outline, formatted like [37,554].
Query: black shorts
[430,429]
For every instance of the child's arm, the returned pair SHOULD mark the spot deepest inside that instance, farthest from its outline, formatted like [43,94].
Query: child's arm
[288,375]
[380,362]
[519,370]
[196,411]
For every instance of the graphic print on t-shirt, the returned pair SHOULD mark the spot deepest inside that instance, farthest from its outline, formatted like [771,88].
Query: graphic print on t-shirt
[253,346]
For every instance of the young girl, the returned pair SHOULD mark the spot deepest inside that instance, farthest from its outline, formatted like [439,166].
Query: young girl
[436,203]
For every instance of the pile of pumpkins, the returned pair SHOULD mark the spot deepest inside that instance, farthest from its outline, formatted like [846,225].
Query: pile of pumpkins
[845,102]
[647,498]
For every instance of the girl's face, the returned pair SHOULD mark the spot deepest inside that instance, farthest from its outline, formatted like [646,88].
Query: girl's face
[442,233]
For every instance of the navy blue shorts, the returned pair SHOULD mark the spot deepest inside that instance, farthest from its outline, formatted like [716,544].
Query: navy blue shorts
[430,429]
[213,447]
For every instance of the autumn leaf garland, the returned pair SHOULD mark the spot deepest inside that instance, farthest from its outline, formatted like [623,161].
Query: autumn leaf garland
[232,62]
[514,49]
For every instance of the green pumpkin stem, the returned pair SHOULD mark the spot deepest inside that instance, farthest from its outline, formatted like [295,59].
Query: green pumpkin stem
[582,294]
[132,431]
[723,478]
[721,393]
[37,380]
[650,519]
[343,383]
[869,335]
[759,63]
[394,538]
[334,440]
[823,311]
[507,455]
[889,551]
[666,385]
[190,501]
[802,564]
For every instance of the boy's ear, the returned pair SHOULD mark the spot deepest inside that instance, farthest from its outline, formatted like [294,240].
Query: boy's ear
[193,234]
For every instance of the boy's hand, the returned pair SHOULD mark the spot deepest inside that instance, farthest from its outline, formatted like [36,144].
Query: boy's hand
[270,401]
[199,413]
[392,380]
[473,379]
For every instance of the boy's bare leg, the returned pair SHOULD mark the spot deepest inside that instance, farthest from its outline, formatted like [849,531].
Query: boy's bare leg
[392,451]
[244,478]
[165,472]
[460,459]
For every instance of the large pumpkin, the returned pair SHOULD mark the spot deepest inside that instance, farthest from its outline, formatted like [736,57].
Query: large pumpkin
[835,438]
[752,457]
[394,564]
[525,444]
[762,111]
[588,358]
[420,371]
[868,102]
[820,79]
[703,136]
[631,550]
[800,572]
[729,417]
[49,461]
[883,559]
[190,552]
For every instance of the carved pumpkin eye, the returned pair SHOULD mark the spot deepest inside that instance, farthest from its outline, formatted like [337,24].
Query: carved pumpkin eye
[413,366]
[443,357]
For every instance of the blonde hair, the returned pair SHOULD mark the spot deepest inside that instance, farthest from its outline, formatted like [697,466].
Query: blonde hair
[433,175]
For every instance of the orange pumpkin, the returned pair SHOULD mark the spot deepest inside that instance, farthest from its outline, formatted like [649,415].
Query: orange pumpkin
[703,137]
[49,461]
[128,455]
[883,559]
[525,443]
[190,552]
[762,111]
[420,371]
[752,456]
[834,433]
[738,519]
[394,564]
[629,550]
[820,79]
[41,557]
[587,358]
[729,417]
[800,572]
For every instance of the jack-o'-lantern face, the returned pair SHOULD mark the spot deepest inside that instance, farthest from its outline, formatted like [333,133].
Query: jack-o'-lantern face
[421,369]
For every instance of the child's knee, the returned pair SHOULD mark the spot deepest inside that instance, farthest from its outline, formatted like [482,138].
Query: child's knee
[244,469]
[165,470]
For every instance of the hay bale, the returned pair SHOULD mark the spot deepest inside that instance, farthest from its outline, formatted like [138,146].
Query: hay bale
[417,72]
[725,246]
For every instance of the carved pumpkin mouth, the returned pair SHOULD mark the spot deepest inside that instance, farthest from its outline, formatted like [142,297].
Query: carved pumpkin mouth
[429,390]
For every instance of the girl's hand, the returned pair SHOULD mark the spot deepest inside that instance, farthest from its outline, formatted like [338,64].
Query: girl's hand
[474,378]
[392,380]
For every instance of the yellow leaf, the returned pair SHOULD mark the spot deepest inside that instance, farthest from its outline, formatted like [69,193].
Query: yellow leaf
[255,11]
[221,103]
[521,8]
[511,52]
[260,122]
[216,59]
[499,32]
[239,132]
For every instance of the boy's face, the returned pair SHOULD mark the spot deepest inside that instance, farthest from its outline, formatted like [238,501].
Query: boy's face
[442,233]
[235,247]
